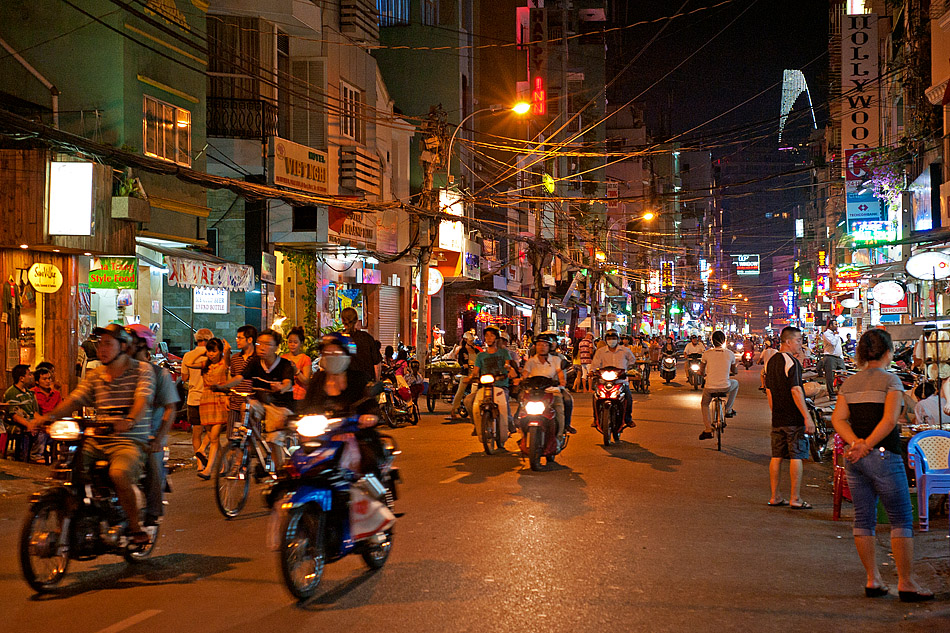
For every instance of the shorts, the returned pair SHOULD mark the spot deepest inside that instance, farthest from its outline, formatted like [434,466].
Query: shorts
[585,370]
[194,415]
[789,442]
[126,456]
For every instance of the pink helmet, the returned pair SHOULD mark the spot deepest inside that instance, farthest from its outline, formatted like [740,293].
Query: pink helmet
[143,333]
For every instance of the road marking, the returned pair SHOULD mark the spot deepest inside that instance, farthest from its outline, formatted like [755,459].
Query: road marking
[130,622]
[455,477]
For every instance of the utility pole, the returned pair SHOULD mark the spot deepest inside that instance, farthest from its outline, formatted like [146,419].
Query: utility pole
[431,157]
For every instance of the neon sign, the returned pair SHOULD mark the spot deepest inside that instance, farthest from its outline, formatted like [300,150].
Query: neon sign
[539,97]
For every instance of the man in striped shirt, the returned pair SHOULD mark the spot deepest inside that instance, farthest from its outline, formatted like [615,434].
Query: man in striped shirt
[121,390]
[246,340]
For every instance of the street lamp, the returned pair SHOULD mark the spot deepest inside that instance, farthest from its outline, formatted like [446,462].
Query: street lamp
[519,108]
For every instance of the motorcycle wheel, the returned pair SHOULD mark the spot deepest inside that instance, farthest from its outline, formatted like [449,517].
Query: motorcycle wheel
[231,481]
[430,401]
[605,423]
[44,545]
[414,414]
[488,426]
[302,555]
[534,448]
[375,557]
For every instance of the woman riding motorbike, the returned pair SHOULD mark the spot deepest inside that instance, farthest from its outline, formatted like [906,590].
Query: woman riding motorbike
[336,388]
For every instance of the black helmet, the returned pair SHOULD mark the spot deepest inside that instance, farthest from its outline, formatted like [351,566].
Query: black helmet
[114,330]
[611,334]
[547,337]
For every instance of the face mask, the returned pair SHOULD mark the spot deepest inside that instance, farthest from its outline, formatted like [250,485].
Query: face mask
[613,342]
[335,364]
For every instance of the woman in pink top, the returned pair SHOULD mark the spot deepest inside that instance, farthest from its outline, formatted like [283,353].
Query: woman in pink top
[301,361]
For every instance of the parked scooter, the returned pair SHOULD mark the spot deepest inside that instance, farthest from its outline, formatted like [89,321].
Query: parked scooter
[668,367]
[537,421]
[78,516]
[395,407]
[693,374]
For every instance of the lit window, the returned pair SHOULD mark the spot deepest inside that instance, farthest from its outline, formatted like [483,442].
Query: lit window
[167,132]
[393,12]
[351,116]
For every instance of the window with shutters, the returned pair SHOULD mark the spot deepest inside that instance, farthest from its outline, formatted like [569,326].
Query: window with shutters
[430,12]
[166,131]
[351,112]
[308,113]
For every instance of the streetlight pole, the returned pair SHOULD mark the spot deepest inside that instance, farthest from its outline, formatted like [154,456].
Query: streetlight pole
[519,108]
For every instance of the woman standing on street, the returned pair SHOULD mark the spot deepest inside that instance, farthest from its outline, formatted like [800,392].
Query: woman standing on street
[302,363]
[866,418]
[213,408]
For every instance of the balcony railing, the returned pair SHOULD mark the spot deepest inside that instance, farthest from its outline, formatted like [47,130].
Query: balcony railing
[241,118]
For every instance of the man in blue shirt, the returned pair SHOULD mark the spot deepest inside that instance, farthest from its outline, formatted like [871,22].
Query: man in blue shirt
[496,361]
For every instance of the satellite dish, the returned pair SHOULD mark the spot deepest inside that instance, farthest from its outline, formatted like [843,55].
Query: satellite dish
[850,303]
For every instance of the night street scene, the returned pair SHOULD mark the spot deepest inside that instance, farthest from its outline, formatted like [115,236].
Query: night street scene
[580,316]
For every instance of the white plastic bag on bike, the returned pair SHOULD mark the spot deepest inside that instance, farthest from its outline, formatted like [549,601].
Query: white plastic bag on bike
[368,515]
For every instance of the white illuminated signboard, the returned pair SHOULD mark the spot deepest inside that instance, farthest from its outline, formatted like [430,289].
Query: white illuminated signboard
[205,300]
[70,198]
[451,234]
[928,266]
[746,264]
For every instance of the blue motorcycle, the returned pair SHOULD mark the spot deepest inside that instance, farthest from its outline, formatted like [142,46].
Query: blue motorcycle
[311,498]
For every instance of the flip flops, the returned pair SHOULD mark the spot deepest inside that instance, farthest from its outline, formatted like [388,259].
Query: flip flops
[777,504]
[803,506]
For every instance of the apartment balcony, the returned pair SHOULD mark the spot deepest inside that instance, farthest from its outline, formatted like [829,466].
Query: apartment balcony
[241,118]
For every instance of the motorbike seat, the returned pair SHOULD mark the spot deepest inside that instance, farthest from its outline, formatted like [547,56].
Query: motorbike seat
[719,394]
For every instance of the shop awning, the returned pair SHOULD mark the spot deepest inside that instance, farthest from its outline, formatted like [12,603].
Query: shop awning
[187,269]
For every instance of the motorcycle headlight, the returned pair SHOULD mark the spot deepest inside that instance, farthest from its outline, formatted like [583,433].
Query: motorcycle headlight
[65,430]
[609,375]
[738,345]
[694,367]
[487,379]
[313,425]
[534,407]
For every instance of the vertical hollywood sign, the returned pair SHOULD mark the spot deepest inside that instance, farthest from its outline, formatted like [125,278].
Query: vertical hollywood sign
[860,85]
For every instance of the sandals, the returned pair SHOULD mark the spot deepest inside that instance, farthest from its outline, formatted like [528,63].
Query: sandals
[202,459]
[138,540]
[777,504]
[804,505]
[875,592]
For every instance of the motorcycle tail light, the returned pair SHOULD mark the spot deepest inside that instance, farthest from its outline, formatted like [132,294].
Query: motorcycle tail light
[534,407]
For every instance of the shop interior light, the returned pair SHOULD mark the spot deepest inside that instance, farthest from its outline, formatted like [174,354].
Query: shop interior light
[24,245]
[88,254]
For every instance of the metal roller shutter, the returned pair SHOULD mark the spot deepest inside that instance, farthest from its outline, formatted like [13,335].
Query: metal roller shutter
[389,315]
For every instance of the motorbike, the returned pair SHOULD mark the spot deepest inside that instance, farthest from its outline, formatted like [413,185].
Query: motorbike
[668,367]
[78,515]
[491,431]
[693,375]
[609,403]
[395,407]
[322,510]
[747,358]
[537,422]
[819,442]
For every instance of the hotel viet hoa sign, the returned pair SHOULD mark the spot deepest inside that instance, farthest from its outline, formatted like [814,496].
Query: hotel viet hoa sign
[296,166]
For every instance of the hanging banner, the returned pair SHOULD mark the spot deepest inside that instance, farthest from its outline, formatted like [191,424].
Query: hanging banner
[186,273]
[296,166]
[860,82]
[209,300]
[114,272]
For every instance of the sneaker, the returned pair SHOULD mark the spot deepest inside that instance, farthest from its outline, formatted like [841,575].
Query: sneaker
[731,414]
[705,435]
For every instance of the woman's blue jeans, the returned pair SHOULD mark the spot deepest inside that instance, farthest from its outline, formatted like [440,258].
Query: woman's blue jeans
[880,474]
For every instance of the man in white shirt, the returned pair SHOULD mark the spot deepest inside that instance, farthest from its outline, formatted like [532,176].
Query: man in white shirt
[718,364]
[543,363]
[764,357]
[694,346]
[833,356]
[926,411]
[192,378]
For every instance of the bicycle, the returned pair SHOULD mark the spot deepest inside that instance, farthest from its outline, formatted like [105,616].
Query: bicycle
[719,415]
[233,464]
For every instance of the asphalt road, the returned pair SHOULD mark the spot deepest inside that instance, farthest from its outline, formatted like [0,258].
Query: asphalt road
[660,533]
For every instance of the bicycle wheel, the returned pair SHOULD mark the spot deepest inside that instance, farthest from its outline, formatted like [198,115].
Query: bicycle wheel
[231,481]
[44,544]
[720,416]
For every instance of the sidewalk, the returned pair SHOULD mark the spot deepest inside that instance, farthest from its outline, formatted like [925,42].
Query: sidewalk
[21,478]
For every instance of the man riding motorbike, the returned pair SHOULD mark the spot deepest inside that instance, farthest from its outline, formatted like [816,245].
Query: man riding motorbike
[121,389]
[498,362]
[336,387]
[613,355]
[543,363]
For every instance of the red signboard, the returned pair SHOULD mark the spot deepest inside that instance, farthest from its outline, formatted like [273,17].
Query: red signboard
[847,280]
[898,308]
